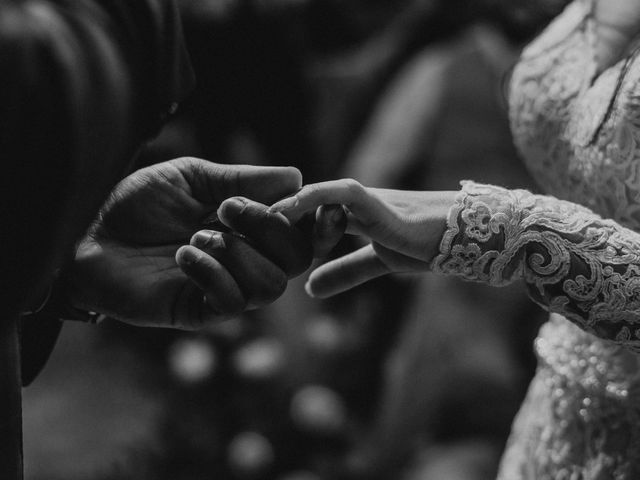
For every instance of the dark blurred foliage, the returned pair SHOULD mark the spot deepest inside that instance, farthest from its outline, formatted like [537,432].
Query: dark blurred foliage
[409,377]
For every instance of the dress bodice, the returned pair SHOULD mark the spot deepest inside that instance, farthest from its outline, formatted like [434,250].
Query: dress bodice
[578,131]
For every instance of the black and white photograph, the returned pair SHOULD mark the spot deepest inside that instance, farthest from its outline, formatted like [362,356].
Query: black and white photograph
[320,240]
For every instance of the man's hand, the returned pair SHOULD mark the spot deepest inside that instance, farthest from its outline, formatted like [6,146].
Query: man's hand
[158,255]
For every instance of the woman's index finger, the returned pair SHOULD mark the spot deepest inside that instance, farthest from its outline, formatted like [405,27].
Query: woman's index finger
[346,192]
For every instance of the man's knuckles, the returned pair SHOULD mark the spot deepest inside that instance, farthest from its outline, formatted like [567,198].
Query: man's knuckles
[260,280]
[269,232]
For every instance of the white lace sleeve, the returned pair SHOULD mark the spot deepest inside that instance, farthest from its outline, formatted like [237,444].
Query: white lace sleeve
[573,261]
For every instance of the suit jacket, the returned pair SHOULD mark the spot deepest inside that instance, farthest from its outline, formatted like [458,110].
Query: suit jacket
[83,84]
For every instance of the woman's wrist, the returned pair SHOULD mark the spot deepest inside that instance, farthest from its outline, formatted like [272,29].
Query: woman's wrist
[440,205]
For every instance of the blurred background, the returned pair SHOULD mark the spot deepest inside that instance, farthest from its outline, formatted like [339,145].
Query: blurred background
[409,377]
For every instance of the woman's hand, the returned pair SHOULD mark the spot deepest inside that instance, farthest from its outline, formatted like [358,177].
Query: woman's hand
[405,229]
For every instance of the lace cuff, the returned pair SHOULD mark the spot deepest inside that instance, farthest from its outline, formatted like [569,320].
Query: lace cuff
[573,261]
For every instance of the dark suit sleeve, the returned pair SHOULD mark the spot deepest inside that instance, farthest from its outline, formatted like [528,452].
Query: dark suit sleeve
[82,84]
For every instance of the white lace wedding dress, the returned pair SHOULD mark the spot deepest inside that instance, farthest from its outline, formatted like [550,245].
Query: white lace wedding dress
[579,132]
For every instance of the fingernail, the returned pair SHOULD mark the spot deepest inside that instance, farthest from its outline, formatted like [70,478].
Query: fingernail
[189,256]
[283,205]
[208,239]
[232,206]
[237,201]
[307,288]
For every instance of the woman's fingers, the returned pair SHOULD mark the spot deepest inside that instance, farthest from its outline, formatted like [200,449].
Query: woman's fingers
[365,205]
[346,272]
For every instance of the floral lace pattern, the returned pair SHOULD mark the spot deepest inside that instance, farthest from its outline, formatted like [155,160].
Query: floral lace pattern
[578,131]
[573,261]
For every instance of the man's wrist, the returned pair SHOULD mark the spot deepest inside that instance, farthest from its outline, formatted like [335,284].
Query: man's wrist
[58,303]
[39,304]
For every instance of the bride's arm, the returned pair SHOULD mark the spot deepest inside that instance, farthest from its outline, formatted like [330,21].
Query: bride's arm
[573,261]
